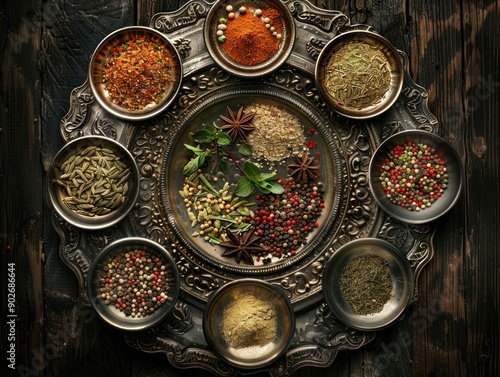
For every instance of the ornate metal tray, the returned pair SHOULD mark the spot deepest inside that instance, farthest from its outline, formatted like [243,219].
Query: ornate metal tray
[352,211]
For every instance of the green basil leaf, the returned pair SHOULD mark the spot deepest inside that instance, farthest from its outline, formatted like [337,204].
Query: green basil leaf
[204,136]
[268,177]
[223,166]
[191,166]
[195,150]
[223,138]
[275,188]
[252,171]
[245,149]
[244,187]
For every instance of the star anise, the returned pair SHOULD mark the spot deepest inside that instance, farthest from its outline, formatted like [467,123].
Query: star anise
[238,125]
[304,169]
[241,246]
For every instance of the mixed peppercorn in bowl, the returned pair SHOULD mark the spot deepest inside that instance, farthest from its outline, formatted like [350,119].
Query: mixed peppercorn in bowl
[415,176]
[133,283]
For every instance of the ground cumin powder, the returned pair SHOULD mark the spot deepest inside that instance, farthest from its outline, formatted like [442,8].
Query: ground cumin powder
[249,322]
[277,133]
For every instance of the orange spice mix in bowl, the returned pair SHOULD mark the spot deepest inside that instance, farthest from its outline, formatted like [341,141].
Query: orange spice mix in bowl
[136,74]
[248,40]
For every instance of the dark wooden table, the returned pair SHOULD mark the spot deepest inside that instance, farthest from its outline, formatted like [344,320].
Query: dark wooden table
[453,329]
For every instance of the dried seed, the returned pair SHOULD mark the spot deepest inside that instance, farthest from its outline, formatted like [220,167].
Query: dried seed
[89,151]
[91,175]
[85,206]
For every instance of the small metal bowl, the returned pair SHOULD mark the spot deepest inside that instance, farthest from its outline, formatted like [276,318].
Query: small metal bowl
[442,204]
[402,283]
[77,213]
[108,312]
[103,52]
[214,47]
[255,356]
[361,110]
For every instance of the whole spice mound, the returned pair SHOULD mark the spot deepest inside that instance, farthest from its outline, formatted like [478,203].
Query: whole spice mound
[357,75]
[248,38]
[135,282]
[413,176]
[249,321]
[366,284]
[277,134]
[285,221]
[95,181]
[136,74]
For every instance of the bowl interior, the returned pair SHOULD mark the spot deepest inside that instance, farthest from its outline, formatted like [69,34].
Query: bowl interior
[345,90]
[235,341]
[98,272]
[89,155]
[216,50]
[401,276]
[116,40]
[454,170]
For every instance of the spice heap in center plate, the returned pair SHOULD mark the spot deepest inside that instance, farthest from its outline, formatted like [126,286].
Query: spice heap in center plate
[250,35]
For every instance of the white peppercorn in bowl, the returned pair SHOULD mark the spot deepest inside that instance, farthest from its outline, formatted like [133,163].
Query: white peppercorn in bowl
[133,284]
[93,182]
[249,323]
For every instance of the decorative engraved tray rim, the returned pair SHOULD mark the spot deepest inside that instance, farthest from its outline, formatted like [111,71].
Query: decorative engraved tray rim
[318,336]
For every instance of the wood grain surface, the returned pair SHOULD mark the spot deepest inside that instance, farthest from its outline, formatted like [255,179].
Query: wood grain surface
[453,329]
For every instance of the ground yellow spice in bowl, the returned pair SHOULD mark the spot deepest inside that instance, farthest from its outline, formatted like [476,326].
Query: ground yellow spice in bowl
[249,323]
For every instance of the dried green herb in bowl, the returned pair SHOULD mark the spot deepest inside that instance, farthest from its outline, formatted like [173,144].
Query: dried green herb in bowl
[360,74]
[367,284]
